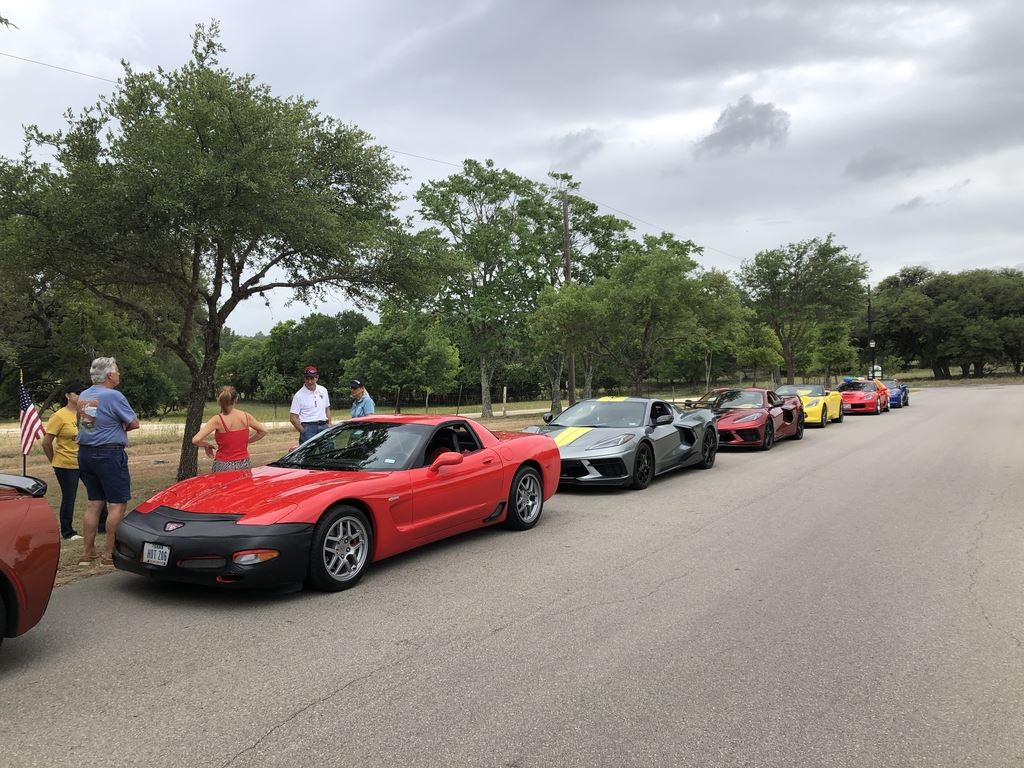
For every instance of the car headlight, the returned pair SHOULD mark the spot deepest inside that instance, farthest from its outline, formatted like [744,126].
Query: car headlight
[613,442]
[747,419]
[813,403]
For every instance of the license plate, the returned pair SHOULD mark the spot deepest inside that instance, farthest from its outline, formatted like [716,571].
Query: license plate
[847,407]
[155,554]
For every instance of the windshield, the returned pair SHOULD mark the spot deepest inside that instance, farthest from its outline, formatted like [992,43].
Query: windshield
[807,390]
[891,383]
[603,413]
[732,398]
[360,446]
[857,386]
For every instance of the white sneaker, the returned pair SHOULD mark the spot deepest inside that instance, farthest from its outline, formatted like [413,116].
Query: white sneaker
[76,537]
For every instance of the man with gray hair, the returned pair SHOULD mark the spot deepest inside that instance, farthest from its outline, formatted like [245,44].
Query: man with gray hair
[104,420]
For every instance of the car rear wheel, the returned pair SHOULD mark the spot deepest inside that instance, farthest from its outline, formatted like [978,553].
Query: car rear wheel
[769,436]
[708,449]
[824,417]
[341,548]
[3,619]
[643,467]
[525,500]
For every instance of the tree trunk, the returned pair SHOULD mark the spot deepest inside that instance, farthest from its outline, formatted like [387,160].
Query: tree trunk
[588,376]
[188,464]
[965,370]
[570,375]
[553,367]
[486,409]
[638,387]
[979,370]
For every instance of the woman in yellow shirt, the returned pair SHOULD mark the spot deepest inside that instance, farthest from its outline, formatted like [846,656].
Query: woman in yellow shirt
[61,448]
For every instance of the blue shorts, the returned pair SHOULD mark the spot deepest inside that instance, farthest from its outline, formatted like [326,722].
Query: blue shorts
[312,429]
[104,473]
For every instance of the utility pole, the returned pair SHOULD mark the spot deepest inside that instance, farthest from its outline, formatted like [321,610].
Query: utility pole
[871,336]
[567,268]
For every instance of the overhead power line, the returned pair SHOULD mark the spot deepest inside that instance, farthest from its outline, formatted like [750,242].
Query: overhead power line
[54,66]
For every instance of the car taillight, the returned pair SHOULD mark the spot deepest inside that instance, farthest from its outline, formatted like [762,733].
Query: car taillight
[253,556]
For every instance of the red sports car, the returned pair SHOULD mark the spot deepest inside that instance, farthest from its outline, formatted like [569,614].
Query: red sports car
[864,396]
[361,491]
[29,553]
[754,417]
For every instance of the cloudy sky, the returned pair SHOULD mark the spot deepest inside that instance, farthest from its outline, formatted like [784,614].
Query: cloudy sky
[739,124]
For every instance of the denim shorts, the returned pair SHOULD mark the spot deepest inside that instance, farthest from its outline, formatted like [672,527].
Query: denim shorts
[104,472]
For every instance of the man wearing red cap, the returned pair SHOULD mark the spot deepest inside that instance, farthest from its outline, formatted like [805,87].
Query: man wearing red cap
[310,413]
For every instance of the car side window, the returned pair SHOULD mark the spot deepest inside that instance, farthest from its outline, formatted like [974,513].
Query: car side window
[658,409]
[773,399]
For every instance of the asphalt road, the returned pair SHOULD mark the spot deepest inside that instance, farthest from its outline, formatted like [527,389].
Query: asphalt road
[854,599]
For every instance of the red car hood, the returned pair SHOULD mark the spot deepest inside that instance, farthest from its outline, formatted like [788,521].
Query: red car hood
[268,493]
[858,394]
[730,415]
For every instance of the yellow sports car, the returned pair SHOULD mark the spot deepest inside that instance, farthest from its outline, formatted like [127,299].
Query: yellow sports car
[820,405]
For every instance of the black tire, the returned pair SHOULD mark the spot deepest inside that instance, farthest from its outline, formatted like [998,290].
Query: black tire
[799,434]
[878,408]
[708,449]
[340,552]
[769,436]
[3,618]
[525,500]
[906,401]
[824,416]
[842,415]
[643,467]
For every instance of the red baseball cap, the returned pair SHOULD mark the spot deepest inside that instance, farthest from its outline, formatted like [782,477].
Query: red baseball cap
[310,370]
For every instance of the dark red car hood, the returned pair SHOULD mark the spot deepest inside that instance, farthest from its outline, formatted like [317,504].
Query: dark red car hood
[268,493]
[727,416]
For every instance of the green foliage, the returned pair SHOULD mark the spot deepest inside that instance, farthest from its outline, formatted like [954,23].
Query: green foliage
[210,190]
[405,351]
[645,306]
[758,348]
[795,287]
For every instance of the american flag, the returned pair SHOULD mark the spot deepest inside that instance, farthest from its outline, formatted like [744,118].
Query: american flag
[31,426]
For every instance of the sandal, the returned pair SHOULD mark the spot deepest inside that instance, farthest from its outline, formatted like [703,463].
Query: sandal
[86,560]
[107,560]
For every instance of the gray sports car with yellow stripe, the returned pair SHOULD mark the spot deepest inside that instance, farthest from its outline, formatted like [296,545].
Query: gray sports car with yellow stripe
[626,441]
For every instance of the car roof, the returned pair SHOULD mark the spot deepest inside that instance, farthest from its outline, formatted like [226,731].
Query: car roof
[430,420]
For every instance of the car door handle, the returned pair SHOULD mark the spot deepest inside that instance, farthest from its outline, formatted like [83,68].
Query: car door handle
[488,461]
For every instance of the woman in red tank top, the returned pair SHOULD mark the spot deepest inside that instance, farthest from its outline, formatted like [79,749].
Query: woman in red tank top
[233,429]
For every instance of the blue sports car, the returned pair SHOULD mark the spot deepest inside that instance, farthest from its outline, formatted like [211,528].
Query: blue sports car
[899,394]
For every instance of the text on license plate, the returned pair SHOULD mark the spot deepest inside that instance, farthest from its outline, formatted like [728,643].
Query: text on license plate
[155,554]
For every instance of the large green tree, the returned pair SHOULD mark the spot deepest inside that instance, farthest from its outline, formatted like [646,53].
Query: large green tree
[644,308]
[187,191]
[494,222]
[406,351]
[795,287]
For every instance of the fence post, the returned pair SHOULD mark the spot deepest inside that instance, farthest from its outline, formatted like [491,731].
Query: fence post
[504,401]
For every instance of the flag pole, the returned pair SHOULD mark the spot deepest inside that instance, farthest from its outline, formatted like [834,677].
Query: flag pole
[24,458]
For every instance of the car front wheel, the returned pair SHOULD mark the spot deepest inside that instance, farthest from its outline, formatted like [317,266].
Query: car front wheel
[824,417]
[342,542]
[525,500]
[643,467]
[769,436]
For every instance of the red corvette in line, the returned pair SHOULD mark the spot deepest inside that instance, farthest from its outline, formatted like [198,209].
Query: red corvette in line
[864,396]
[362,491]
[753,417]
[29,553]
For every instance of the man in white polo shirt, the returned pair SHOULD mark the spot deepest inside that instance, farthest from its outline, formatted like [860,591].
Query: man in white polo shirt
[310,413]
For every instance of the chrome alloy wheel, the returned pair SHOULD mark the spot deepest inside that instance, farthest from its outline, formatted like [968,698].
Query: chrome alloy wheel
[344,551]
[528,498]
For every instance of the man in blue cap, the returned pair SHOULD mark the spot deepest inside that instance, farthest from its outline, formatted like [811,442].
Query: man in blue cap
[362,403]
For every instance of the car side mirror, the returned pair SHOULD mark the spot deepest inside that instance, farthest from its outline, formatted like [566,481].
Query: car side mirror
[688,403]
[665,418]
[446,459]
[548,417]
